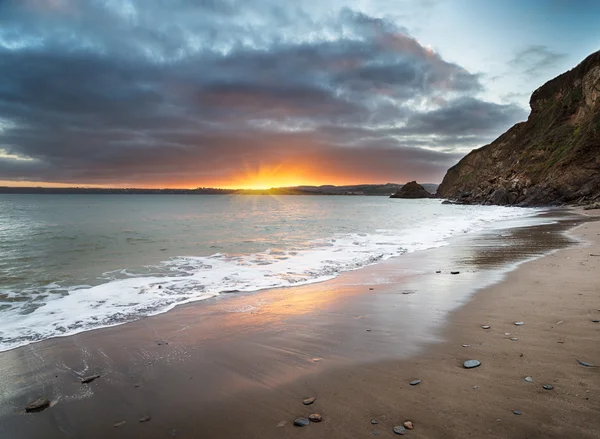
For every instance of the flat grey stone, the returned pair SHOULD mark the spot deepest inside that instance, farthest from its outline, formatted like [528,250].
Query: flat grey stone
[89,379]
[399,429]
[309,401]
[486,326]
[415,382]
[301,422]
[548,386]
[584,364]
[519,323]
[515,338]
[38,405]
[374,421]
[470,364]
[517,412]
[529,379]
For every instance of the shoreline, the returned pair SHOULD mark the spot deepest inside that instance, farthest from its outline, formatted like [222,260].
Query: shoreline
[288,371]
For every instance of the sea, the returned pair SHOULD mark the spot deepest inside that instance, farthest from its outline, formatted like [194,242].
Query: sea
[72,263]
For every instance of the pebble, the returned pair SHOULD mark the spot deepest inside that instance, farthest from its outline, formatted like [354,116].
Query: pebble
[548,386]
[399,429]
[517,412]
[515,338]
[476,387]
[118,424]
[408,425]
[439,271]
[415,382]
[315,417]
[374,421]
[144,418]
[519,323]
[560,322]
[89,379]
[281,424]
[466,346]
[584,364]
[455,272]
[309,401]
[507,333]
[38,405]
[470,364]
[486,326]
[529,379]
[596,321]
[371,289]
[301,422]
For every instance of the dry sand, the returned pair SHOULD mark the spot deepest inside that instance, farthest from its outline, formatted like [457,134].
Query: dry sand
[351,347]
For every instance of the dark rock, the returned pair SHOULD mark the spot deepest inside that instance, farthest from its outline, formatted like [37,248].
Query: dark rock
[315,417]
[399,429]
[438,271]
[415,382]
[38,405]
[412,190]
[309,401]
[553,158]
[517,412]
[301,422]
[595,321]
[548,386]
[89,379]
[470,364]
[455,272]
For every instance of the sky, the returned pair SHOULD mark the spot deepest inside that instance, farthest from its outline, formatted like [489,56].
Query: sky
[264,93]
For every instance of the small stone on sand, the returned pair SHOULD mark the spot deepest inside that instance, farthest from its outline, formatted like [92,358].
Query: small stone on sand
[315,417]
[470,364]
[301,422]
[486,326]
[476,387]
[408,425]
[281,424]
[89,379]
[548,386]
[144,418]
[519,323]
[371,289]
[595,321]
[517,412]
[118,424]
[528,379]
[507,333]
[515,338]
[309,401]
[455,272]
[38,405]
[415,382]
[374,421]
[438,271]
[584,364]
[399,429]
[466,346]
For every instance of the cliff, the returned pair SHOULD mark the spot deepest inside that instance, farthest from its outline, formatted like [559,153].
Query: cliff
[412,189]
[553,158]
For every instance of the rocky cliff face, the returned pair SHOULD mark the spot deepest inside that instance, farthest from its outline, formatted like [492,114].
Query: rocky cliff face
[552,158]
[412,189]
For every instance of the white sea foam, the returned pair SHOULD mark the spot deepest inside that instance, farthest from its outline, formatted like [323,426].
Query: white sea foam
[124,297]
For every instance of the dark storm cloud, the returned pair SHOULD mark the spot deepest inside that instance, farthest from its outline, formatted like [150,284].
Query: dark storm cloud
[101,92]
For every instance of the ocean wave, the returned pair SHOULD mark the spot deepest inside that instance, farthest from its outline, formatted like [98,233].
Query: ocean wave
[125,295]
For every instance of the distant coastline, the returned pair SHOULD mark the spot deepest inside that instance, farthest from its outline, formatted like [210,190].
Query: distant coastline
[363,189]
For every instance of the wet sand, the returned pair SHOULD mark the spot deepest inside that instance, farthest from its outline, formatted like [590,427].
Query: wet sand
[240,367]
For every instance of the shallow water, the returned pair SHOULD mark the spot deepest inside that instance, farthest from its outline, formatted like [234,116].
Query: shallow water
[76,262]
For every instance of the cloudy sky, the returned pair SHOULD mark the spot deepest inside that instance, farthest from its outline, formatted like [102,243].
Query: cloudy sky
[255,93]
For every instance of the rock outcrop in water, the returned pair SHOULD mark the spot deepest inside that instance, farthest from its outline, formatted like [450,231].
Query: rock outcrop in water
[553,158]
[412,189]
